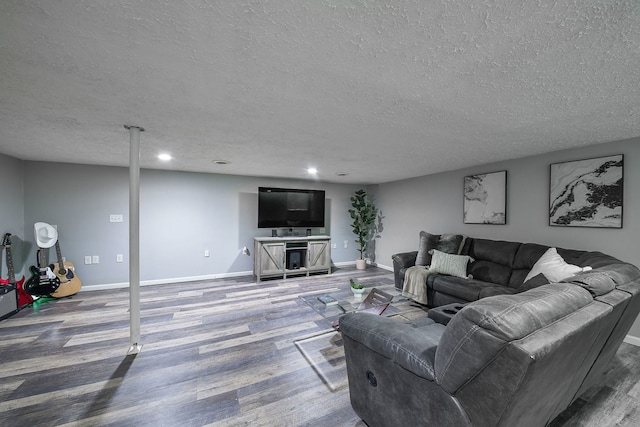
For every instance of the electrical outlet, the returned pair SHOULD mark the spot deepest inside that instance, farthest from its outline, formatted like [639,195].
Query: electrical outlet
[116,218]
[334,246]
[206,252]
[346,243]
[87,259]
[119,258]
[95,259]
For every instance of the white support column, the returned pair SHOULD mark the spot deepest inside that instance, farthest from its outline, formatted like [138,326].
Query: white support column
[134,238]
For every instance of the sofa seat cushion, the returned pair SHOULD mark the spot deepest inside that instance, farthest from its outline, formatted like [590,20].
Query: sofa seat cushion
[411,345]
[468,289]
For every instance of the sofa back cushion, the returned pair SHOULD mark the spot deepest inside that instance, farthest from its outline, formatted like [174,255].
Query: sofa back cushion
[493,260]
[481,330]
[585,258]
[529,253]
[526,257]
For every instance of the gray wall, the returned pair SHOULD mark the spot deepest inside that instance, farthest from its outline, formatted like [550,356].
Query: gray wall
[181,215]
[12,210]
[434,203]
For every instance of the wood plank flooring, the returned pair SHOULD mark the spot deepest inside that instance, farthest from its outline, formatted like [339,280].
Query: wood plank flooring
[215,353]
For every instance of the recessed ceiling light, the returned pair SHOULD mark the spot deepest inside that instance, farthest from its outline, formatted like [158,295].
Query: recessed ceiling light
[221,162]
[342,173]
[312,171]
[164,157]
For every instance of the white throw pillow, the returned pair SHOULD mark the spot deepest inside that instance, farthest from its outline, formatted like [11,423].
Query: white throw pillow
[554,267]
[453,265]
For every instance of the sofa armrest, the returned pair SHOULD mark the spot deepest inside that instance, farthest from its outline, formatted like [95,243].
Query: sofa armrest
[402,261]
[412,345]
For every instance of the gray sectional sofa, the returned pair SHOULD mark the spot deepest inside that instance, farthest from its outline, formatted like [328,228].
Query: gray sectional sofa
[499,268]
[512,356]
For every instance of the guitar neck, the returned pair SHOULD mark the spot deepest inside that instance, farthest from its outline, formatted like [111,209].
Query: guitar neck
[42,260]
[11,275]
[61,269]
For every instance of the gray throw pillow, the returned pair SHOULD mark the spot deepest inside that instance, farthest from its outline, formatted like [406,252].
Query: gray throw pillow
[451,243]
[447,243]
[428,242]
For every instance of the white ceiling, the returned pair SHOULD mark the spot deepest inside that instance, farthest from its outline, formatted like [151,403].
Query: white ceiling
[383,90]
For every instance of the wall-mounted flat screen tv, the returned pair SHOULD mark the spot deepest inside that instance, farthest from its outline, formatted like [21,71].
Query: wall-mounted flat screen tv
[286,207]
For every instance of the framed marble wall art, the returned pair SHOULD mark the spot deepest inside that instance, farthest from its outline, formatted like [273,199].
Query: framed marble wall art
[587,193]
[485,198]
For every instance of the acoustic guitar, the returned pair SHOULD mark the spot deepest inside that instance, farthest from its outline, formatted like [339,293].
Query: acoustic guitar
[70,283]
[42,281]
[23,296]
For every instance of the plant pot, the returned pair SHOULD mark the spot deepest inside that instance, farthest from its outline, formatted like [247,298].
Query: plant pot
[361,264]
[358,292]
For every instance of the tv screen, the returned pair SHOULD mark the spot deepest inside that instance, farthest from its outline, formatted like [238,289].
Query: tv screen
[285,207]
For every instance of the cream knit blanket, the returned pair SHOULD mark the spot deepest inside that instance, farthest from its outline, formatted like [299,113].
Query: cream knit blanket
[415,283]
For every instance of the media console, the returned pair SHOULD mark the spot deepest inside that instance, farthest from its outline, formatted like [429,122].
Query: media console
[289,256]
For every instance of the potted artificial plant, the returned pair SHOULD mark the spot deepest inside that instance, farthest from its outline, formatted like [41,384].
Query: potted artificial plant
[357,288]
[364,215]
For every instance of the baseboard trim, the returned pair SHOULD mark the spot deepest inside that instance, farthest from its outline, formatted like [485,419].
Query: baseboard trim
[121,285]
[630,339]
[107,286]
[384,267]
[373,264]
[344,263]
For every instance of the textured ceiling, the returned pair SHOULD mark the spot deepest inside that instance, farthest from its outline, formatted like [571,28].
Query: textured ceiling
[383,90]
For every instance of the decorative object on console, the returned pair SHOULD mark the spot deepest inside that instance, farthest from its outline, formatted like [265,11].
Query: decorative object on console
[363,214]
[587,193]
[485,198]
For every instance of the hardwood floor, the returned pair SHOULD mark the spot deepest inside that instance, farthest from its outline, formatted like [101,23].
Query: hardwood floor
[216,353]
